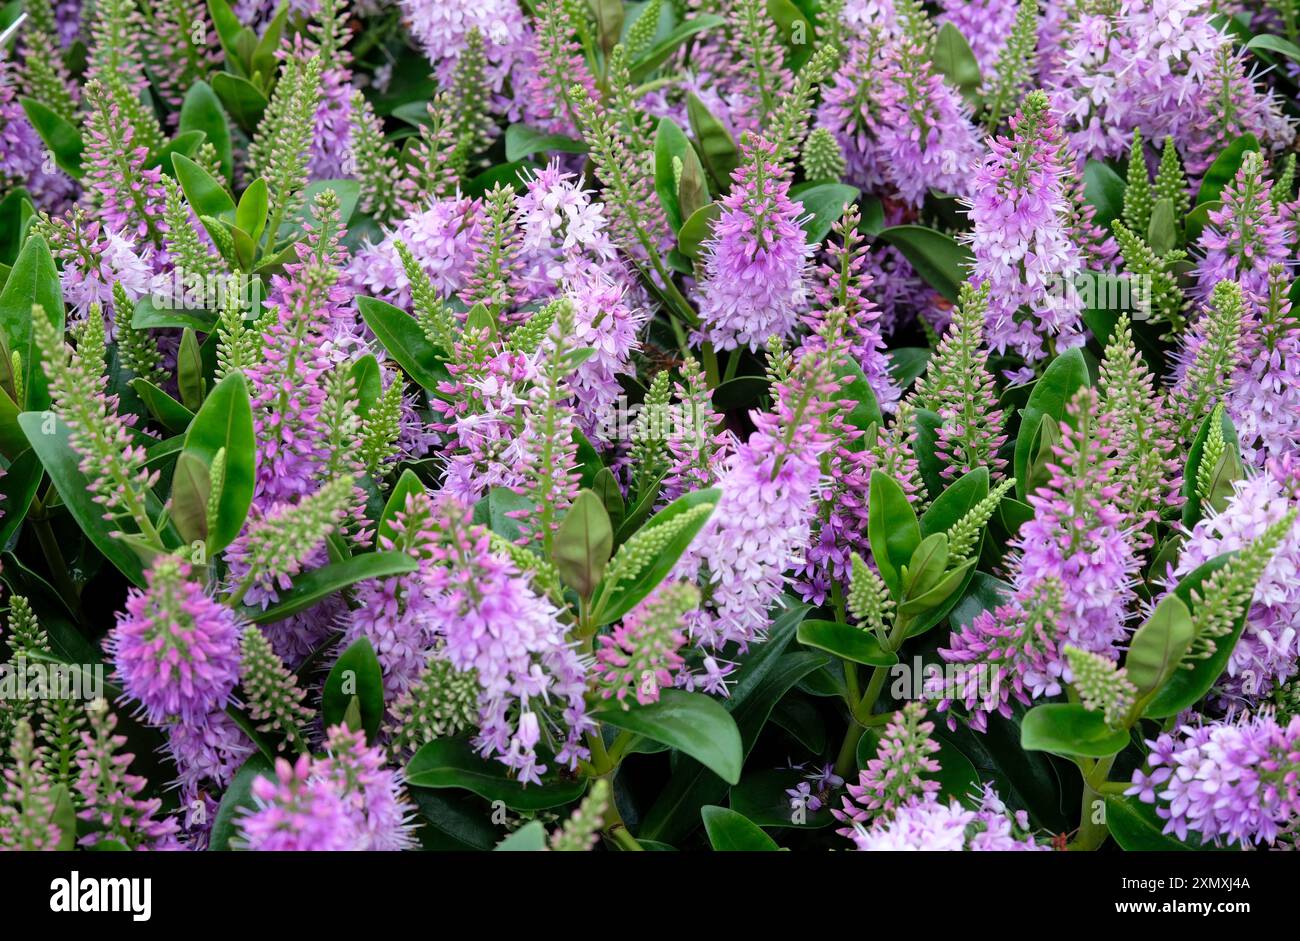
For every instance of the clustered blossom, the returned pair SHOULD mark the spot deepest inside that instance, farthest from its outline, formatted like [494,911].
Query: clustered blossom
[1246,236]
[1020,237]
[347,801]
[1234,781]
[442,238]
[756,262]
[492,622]
[176,649]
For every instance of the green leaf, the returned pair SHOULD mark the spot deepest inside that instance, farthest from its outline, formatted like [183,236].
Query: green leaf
[184,143]
[1186,687]
[825,204]
[250,214]
[202,112]
[17,488]
[731,832]
[717,150]
[226,422]
[238,798]
[1267,42]
[892,528]
[189,370]
[659,53]
[1136,828]
[866,410]
[692,723]
[1192,509]
[188,505]
[405,342]
[312,586]
[348,192]
[846,642]
[450,763]
[670,142]
[205,195]
[937,257]
[64,467]
[762,680]
[583,544]
[1224,168]
[1070,730]
[1158,646]
[1051,393]
[522,141]
[243,101]
[356,675]
[955,502]
[406,485]
[530,838]
[16,212]
[953,58]
[33,280]
[63,140]
[614,601]
[453,820]
[1103,189]
[761,797]
[697,229]
[146,316]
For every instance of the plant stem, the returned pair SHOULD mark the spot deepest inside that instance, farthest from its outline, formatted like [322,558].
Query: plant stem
[54,557]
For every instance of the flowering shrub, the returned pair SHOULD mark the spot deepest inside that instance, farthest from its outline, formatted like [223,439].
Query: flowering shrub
[572,424]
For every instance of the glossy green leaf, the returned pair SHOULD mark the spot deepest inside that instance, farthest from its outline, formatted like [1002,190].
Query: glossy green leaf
[1158,646]
[34,280]
[312,586]
[1103,189]
[614,601]
[18,486]
[407,485]
[49,439]
[237,799]
[693,723]
[405,342]
[717,150]
[697,229]
[660,52]
[846,642]
[356,675]
[937,257]
[824,204]
[530,838]
[451,763]
[892,528]
[205,195]
[1051,394]
[202,111]
[731,832]
[1224,168]
[226,421]
[1070,730]
[522,141]
[1136,828]
[242,100]
[953,58]
[63,140]
[1185,688]
[670,144]
[583,544]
